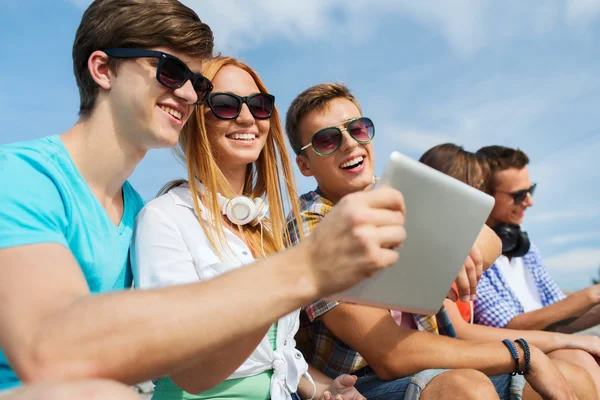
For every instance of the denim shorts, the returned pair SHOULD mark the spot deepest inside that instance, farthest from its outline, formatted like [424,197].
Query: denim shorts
[410,388]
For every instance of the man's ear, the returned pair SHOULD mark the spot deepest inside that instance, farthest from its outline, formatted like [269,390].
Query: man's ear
[99,71]
[303,165]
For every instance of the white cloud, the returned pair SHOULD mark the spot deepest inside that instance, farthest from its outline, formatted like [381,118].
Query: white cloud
[574,260]
[466,25]
[582,12]
[574,238]
[564,215]
[412,139]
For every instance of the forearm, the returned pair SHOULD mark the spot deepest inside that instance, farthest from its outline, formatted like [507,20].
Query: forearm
[420,351]
[322,382]
[588,320]
[135,336]
[489,245]
[545,341]
[554,316]
[211,368]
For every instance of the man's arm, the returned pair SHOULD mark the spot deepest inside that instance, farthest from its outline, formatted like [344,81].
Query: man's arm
[489,245]
[394,352]
[588,320]
[53,329]
[545,341]
[486,249]
[561,313]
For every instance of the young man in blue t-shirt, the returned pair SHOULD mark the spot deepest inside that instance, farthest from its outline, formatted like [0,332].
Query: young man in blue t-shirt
[67,212]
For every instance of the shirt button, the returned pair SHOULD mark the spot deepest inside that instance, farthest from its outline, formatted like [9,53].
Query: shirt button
[285,342]
[245,253]
[298,356]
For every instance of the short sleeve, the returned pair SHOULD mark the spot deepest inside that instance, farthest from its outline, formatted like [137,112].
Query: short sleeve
[159,254]
[493,308]
[318,308]
[32,207]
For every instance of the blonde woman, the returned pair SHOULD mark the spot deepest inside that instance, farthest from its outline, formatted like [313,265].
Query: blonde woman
[217,221]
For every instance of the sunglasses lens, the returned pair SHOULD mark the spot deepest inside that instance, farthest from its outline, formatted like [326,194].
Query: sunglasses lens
[520,196]
[202,86]
[172,73]
[362,130]
[327,140]
[261,106]
[224,105]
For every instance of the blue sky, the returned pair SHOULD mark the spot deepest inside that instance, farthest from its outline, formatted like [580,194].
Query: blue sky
[472,72]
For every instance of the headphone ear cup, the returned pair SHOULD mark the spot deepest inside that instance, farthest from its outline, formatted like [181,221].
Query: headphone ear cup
[523,245]
[508,235]
[240,210]
[262,208]
[515,242]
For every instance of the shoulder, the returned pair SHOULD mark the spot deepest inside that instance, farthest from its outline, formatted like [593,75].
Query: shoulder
[313,204]
[35,196]
[173,210]
[167,204]
[29,160]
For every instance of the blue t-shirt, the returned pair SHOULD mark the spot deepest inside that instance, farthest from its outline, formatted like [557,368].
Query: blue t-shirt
[44,199]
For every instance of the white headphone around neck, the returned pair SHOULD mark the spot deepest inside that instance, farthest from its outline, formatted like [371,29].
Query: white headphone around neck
[242,210]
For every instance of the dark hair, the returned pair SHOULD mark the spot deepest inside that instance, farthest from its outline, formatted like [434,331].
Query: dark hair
[500,158]
[134,23]
[459,163]
[314,98]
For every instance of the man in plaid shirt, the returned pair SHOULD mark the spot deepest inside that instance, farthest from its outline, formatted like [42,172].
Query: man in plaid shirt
[517,292]
[393,357]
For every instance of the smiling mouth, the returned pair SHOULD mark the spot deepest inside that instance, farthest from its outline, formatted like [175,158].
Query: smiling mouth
[246,137]
[174,113]
[354,163]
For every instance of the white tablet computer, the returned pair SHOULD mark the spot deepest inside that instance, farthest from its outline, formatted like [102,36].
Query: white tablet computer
[443,219]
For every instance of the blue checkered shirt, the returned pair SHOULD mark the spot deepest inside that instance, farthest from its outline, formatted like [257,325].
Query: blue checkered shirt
[497,304]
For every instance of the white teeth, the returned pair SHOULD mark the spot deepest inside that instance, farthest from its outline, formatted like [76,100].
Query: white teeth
[352,162]
[242,136]
[171,111]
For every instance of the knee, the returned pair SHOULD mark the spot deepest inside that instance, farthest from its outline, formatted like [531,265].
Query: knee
[465,384]
[574,356]
[579,378]
[90,389]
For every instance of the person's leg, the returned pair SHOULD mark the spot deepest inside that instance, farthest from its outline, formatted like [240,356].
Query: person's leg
[581,382]
[464,384]
[78,390]
[509,387]
[582,359]
[428,385]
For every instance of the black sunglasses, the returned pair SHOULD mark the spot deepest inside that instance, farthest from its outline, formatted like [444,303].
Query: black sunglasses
[170,72]
[326,141]
[229,105]
[520,195]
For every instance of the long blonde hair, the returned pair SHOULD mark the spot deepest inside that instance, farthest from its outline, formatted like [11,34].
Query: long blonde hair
[264,177]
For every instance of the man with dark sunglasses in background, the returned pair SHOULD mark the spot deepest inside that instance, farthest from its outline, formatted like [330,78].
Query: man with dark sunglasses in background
[517,292]
[67,214]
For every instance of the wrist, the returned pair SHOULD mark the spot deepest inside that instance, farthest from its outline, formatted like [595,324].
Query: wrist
[537,356]
[294,266]
[593,294]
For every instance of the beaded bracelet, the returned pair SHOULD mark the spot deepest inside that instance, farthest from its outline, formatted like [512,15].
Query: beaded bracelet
[513,351]
[525,345]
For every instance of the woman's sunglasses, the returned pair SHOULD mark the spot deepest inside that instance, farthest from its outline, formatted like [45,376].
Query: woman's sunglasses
[170,72]
[229,105]
[328,140]
[520,195]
